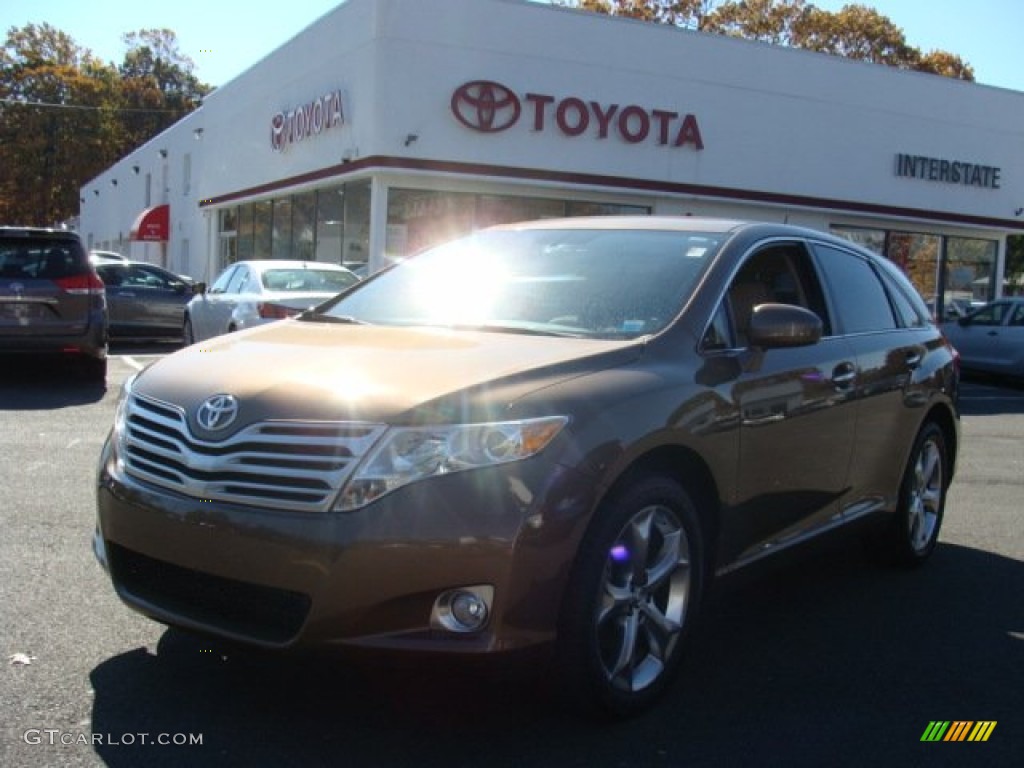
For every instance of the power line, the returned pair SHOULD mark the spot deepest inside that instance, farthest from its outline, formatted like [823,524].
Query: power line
[79,107]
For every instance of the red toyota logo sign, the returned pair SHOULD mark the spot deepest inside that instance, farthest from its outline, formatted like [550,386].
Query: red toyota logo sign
[490,107]
[485,106]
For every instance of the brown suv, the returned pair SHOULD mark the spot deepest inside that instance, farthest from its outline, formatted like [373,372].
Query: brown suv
[51,301]
[543,435]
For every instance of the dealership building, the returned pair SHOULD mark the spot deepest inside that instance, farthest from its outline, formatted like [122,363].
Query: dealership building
[390,125]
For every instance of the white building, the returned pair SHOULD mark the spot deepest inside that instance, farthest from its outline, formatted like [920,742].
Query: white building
[390,124]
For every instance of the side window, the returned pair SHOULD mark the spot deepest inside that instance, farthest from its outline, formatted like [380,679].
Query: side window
[909,315]
[857,293]
[777,274]
[253,284]
[719,333]
[1018,316]
[238,280]
[222,282]
[154,278]
[993,314]
[910,307]
[110,275]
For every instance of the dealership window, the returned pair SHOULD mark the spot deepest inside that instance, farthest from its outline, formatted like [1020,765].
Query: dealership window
[356,227]
[227,231]
[970,266]
[418,219]
[282,245]
[918,256]
[948,272]
[245,232]
[303,226]
[262,226]
[330,224]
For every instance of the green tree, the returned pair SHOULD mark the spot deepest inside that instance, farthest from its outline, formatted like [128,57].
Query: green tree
[157,85]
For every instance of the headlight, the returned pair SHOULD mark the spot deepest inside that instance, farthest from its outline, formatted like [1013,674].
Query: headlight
[408,454]
[121,421]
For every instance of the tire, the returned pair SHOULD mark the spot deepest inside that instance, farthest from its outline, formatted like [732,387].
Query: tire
[188,336]
[632,598]
[915,531]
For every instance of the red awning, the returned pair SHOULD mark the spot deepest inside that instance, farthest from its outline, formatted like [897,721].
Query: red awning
[153,224]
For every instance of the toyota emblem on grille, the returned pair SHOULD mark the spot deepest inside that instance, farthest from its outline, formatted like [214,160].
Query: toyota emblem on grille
[217,412]
[486,106]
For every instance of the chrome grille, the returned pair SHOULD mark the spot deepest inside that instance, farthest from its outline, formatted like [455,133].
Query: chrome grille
[286,465]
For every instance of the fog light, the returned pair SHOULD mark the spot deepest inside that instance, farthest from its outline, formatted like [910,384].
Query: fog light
[463,610]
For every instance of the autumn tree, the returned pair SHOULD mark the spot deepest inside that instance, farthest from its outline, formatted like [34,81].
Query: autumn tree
[681,13]
[854,32]
[50,126]
[65,115]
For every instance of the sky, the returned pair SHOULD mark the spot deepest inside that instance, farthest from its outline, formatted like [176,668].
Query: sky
[225,37]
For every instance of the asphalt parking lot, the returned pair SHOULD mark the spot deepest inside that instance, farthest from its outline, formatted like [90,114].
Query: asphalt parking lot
[824,659]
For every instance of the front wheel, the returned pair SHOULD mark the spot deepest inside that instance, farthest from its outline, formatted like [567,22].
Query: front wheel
[632,597]
[915,531]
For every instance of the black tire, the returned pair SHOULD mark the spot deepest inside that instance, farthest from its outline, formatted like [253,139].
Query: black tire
[914,532]
[632,598]
[188,336]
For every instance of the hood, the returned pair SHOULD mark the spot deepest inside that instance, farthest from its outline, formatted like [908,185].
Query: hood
[311,371]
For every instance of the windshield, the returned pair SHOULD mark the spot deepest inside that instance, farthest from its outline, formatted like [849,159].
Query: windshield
[307,280]
[601,283]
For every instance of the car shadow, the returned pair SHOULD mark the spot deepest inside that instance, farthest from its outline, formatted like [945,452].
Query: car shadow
[32,385]
[982,395]
[828,660]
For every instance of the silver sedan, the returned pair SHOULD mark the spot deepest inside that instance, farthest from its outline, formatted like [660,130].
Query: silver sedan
[991,338]
[250,293]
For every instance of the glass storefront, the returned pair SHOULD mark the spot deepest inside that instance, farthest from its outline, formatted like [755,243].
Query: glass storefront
[419,218]
[950,273]
[331,224]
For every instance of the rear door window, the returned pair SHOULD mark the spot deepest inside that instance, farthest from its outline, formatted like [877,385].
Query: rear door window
[856,291]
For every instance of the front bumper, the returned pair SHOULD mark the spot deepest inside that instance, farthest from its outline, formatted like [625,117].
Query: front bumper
[367,578]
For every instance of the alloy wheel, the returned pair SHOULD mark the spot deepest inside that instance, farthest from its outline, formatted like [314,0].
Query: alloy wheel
[645,594]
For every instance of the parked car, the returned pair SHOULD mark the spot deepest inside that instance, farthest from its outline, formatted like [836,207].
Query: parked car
[250,293]
[105,257]
[51,301]
[550,434]
[991,338]
[144,301]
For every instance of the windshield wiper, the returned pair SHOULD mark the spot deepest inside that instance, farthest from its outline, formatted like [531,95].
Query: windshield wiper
[312,316]
[525,331]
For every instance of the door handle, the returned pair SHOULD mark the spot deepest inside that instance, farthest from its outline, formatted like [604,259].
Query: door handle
[843,375]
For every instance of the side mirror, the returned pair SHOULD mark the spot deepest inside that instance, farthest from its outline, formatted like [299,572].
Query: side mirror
[783,325]
[964,321]
[198,289]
